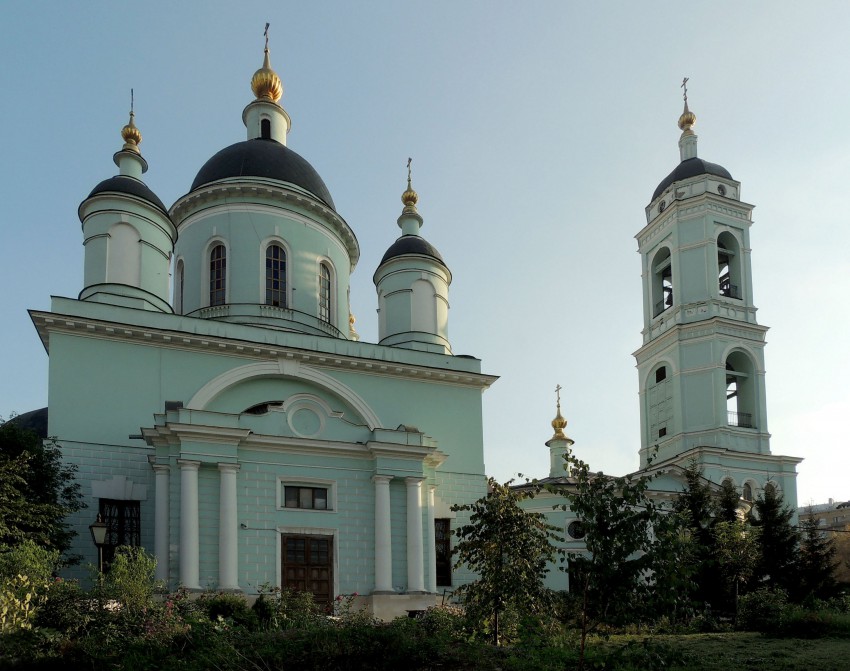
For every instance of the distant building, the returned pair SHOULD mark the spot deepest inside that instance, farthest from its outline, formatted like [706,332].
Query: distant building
[834,518]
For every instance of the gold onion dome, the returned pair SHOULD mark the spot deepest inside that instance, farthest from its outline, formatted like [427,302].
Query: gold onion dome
[409,197]
[265,83]
[559,424]
[688,118]
[131,135]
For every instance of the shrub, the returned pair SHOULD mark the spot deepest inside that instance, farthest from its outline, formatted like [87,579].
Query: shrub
[228,606]
[28,559]
[130,579]
[19,598]
[444,622]
[278,608]
[761,610]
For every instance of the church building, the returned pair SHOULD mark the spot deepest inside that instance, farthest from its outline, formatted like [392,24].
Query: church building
[233,424]
[229,420]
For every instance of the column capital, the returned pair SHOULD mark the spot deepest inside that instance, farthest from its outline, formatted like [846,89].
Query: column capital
[414,481]
[228,467]
[382,479]
[188,464]
[161,468]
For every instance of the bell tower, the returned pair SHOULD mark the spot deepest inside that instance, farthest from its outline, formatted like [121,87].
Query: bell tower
[701,365]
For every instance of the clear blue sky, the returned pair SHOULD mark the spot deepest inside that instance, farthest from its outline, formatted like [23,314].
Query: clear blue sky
[538,131]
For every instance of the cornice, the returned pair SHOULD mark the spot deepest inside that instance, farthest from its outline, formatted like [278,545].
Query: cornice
[714,326]
[691,207]
[48,322]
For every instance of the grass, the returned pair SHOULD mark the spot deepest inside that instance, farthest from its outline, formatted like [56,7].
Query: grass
[756,652]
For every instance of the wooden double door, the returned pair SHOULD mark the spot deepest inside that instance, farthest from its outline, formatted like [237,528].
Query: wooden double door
[307,565]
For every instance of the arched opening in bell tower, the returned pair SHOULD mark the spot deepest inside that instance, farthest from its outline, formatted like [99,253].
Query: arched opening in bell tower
[740,391]
[728,266]
[662,282]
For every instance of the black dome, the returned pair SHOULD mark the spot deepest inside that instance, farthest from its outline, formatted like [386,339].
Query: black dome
[691,167]
[263,158]
[412,244]
[130,186]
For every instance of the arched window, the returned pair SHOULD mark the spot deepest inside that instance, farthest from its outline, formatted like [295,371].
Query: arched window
[178,287]
[748,492]
[324,293]
[662,282]
[659,403]
[740,391]
[276,276]
[265,129]
[218,273]
[728,266]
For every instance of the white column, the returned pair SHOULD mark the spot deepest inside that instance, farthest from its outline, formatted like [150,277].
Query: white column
[383,535]
[228,541]
[161,535]
[189,531]
[432,546]
[415,566]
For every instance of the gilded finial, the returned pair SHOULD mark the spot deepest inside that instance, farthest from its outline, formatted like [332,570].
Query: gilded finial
[688,118]
[265,83]
[130,134]
[559,423]
[352,332]
[409,197]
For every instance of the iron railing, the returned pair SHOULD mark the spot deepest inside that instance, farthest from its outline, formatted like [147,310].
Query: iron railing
[742,419]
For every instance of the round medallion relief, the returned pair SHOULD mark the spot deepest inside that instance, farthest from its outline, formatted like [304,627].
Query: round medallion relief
[305,422]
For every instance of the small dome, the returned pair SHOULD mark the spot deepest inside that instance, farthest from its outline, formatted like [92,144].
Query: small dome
[409,197]
[129,186]
[265,83]
[412,245]
[687,119]
[131,135]
[263,158]
[692,167]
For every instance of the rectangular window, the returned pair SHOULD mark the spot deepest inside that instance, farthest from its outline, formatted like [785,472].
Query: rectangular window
[123,525]
[310,498]
[443,547]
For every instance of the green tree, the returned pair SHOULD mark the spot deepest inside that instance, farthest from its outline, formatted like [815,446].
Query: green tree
[726,509]
[817,564]
[37,490]
[738,550]
[777,561]
[510,549]
[703,507]
[632,564]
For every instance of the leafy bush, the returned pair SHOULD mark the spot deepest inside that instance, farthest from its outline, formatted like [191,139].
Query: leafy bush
[278,608]
[228,606]
[130,579]
[28,559]
[761,610]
